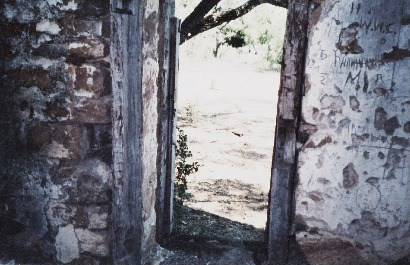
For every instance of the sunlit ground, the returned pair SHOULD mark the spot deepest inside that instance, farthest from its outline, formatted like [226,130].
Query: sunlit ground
[228,112]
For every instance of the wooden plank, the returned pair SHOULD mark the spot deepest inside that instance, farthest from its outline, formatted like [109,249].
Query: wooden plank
[164,203]
[163,123]
[126,66]
[172,99]
[285,156]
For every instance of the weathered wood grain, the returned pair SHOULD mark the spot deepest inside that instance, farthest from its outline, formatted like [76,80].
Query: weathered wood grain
[126,67]
[284,155]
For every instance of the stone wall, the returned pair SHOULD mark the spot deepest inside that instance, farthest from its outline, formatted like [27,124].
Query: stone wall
[353,169]
[55,128]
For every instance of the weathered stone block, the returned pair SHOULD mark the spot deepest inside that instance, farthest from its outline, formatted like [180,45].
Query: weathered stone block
[91,217]
[97,217]
[74,27]
[95,111]
[89,80]
[59,213]
[58,141]
[86,260]
[89,182]
[92,7]
[51,50]
[32,77]
[95,243]
[35,104]
[56,110]
[101,143]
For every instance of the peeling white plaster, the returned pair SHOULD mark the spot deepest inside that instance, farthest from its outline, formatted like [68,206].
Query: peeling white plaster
[55,192]
[48,27]
[67,244]
[55,150]
[72,5]
[83,93]
[42,39]
[90,81]
[76,45]
[45,63]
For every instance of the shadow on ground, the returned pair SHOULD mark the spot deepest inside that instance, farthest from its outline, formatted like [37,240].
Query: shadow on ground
[203,238]
[193,222]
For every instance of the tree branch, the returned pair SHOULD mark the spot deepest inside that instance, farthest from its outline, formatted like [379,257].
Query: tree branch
[199,12]
[194,24]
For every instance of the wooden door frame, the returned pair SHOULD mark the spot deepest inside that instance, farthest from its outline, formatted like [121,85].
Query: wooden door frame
[126,222]
[126,60]
[281,210]
[284,160]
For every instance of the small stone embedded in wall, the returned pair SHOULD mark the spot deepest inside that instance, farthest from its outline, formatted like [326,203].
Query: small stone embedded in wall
[380,118]
[58,141]
[391,125]
[348,42]
[316,196]
[354,104]
[406,127]
[401,141]
[95,243]
[94,111]
[77,27]
[28,77]
[332,102]
[86,182]
[350,176]
[380,92]
[90,81]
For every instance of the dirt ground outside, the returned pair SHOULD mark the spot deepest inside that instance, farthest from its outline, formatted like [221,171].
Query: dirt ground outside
[228,112]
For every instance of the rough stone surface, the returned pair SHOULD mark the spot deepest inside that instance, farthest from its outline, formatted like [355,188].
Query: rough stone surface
[55,124]
[95,243]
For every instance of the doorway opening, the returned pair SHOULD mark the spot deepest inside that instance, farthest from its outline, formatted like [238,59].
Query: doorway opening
[227,91]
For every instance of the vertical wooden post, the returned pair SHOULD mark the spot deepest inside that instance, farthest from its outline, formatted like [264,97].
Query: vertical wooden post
[126,71]
[172,119]
[285,156]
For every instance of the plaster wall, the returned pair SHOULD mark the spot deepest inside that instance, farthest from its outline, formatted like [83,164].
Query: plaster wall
[353,165]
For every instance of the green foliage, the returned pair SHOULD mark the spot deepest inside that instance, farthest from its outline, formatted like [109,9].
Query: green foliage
[254,39]
[183,168]
[273,50]
[235,38]
[265,37]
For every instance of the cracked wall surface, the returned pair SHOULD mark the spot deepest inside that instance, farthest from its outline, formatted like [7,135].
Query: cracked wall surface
[353,166]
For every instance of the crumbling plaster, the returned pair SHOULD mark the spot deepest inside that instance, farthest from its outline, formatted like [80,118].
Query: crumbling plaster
[354,169]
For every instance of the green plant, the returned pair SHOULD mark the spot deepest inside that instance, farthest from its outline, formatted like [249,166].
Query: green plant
[183,169]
